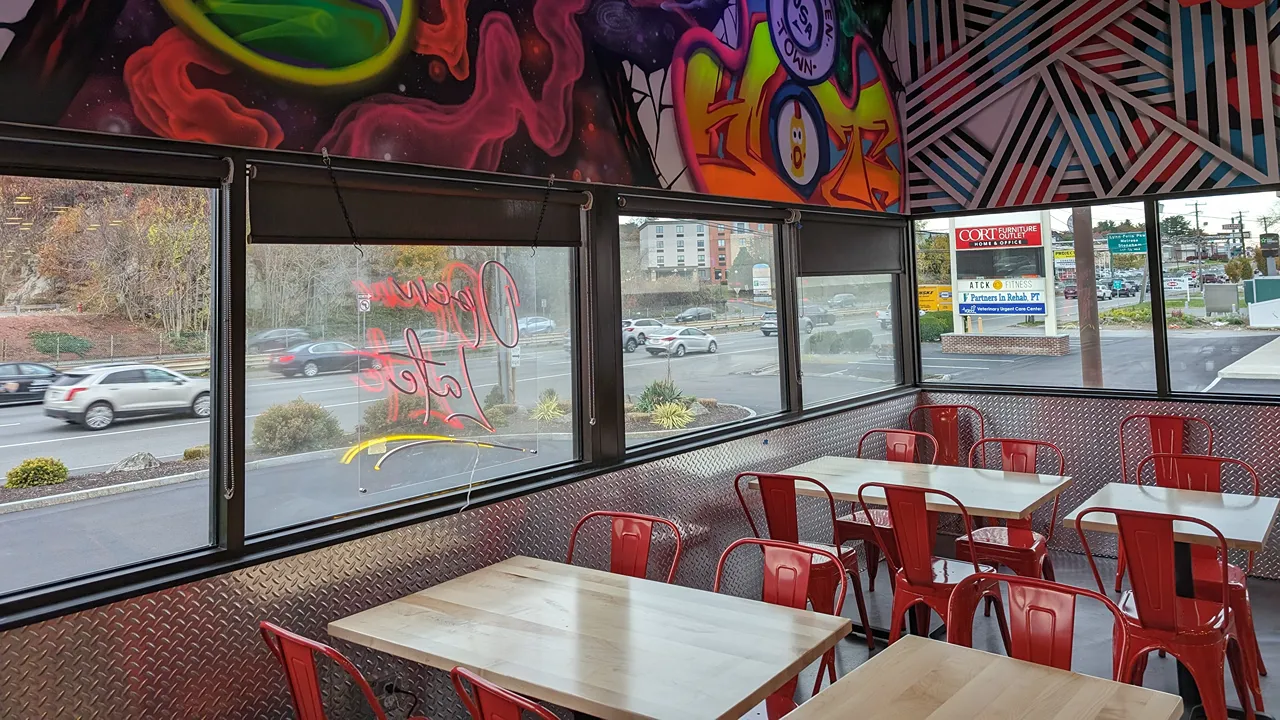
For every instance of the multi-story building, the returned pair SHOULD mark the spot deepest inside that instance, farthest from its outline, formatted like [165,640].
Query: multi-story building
[676,247]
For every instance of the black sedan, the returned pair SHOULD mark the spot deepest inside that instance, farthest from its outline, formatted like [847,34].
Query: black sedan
[311,359]
[24,382]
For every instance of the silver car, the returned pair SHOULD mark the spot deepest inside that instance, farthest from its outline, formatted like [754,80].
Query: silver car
[680,340]
[97,395]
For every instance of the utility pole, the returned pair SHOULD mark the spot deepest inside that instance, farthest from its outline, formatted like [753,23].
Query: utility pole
[1087,296]
[1199,231]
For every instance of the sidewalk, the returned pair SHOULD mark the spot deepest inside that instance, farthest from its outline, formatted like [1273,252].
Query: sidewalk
[1261,364]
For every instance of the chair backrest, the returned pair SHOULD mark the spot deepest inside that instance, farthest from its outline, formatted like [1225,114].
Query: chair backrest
[778,496]
[1016,454]
[901,445]
[1168,435]
[631,537]
[1042,617]
[914,527]
[297,655]
[787,568]
[486,701]
[1148,542]
[944,426]
[1196,472]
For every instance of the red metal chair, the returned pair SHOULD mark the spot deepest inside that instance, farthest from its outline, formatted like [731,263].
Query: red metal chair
[1042,617]
[1015,546]
[1204,473]
[900,446]
[925,581]
[1200,633]
[631,538]
[778,496]
[1168,435]
[789,579]
[297,655]
[944,427]
[486,701]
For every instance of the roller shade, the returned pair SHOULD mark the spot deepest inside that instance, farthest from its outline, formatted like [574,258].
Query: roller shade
[48,158]
[297,204]
[830,248]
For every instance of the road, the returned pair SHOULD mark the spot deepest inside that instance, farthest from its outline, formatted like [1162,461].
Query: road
[49,544]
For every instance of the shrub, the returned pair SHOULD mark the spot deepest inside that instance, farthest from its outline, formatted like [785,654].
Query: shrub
[933,325]
[188,342]
[198,452]
[494,397]
[296,426]
[657,393]
[859,340]
[546,410]
[820,343]
[378,419]
[672,416]
[548,394]
[709,403]
[503,409]
[53,343]
[34,472]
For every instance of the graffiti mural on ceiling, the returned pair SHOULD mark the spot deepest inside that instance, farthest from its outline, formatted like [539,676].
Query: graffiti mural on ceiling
[1014,102]
[786,100]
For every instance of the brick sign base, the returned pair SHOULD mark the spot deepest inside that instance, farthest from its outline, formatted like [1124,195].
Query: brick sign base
[974,344]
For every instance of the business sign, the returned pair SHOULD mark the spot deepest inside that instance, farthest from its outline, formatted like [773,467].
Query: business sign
[933,298]
[998,236]
[1233,226]
[1127,242]
[1064,254]
[1003,296]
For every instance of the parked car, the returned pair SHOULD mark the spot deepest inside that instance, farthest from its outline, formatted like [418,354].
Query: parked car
[534,325]
[818,314]
[97,395]
[885,317]
[695,314]
[1104,292]
[311,359]
[769,324]
[843,301]
[24,382]
[1123,288]
[631,338]
[680,340]
[644,327]
[1070,292]
[276,339]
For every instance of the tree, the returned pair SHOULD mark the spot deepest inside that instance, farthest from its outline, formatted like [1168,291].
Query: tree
[1239,268]
[1174,226]
[933,257]
[1129,261]
[740,272]
[1269,218]
[1106,226]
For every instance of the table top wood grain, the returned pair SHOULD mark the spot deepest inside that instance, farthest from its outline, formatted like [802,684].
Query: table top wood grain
[1244,520]
[989,493]
[917,678]
[607,645]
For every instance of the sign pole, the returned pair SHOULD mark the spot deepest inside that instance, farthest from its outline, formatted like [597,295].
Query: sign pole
[1051,276]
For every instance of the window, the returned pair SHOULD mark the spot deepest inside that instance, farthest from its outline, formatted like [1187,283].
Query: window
[659,245]
[657,229]
[740,227]
[702,259]
[694,376]
[1221,292]
[679,259]
[720,242]
[702,229]
[1002,304]
[680,243]
[106,271]
[846,342]
[720,259]
[679,231]
[381,403]
[702,244]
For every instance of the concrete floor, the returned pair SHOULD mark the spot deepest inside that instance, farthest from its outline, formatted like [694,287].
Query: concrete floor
[1092,654]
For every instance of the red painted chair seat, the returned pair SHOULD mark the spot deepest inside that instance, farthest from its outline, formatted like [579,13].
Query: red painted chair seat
[1192,613]
[878,515]
[997,535]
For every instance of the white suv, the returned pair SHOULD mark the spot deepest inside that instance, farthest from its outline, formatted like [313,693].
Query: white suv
[97,395]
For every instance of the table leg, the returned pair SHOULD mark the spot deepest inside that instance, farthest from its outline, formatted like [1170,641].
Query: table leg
[1184,582]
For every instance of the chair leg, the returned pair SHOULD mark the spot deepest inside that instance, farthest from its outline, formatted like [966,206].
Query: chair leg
[924,615]
[994,599]
[872,551]
[901,603]
[862,610]
[1119,567]
[1241,674]
[1207,664]
[1046,568]
[782,701]
[828,666]
[1248,641]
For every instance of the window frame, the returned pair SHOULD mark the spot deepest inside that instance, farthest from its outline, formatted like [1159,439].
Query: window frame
[601,447]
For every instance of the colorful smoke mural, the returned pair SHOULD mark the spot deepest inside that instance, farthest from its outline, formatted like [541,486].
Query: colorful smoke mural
[789,100]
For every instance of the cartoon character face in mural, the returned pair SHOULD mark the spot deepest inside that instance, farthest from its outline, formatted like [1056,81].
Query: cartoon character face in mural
[772,99]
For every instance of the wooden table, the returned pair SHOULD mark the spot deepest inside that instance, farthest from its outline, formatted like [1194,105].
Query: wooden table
[600,644]
[1244,520]
[989,493]
[917,678]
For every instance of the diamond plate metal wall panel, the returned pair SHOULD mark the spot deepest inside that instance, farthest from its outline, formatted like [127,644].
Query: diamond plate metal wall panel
[194,651]
[1087,430]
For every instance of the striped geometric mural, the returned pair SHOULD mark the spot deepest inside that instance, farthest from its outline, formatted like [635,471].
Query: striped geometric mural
[1016,102]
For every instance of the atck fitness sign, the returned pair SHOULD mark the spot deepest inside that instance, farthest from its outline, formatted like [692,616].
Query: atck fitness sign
[998,236]
[1011,296]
